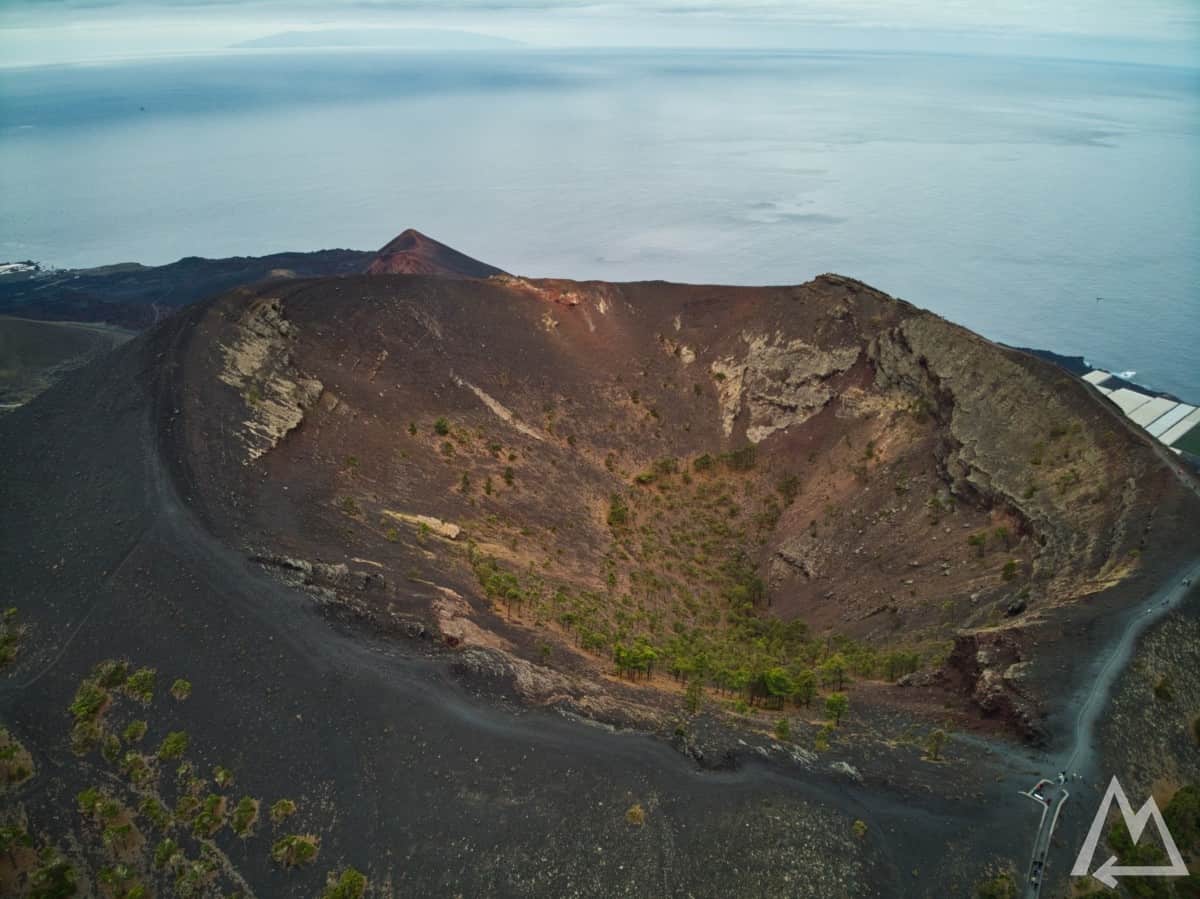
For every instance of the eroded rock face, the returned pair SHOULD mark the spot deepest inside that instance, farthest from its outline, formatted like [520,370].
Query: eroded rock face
[779,383]
[1014,438]
[258,364]
[990,668]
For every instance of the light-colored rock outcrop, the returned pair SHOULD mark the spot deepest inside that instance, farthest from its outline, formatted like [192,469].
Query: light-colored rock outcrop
[779,382]
[442,528]
[258,364]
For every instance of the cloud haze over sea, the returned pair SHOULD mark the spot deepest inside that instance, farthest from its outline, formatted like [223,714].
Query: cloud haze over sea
[1161,31]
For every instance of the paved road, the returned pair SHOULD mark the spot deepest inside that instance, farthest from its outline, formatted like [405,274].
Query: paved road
[1081,756]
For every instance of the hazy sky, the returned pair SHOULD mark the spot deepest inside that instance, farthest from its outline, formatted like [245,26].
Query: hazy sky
[40,31]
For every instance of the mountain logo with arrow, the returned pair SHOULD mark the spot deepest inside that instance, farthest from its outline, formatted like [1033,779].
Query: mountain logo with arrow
[1136,822]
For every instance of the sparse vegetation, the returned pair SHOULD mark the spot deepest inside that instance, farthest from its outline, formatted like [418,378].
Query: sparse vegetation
[741,459]
[899,663]
[618,512]
[635,815]
[10,637]
[16,764]
[823,736]
[1163,691]
[934,743]
[1002,886]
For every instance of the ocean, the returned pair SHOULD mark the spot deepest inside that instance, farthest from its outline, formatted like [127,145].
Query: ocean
[1043,203]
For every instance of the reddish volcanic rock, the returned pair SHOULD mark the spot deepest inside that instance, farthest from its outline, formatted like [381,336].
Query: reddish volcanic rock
[412,253]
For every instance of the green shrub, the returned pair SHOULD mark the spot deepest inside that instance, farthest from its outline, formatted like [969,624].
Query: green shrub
[13,837]
[789,488]
[181,689]
[282,810]
[741,459]
[349,884]
[245,816]
[54,878]
[110,748]
[165,852]
[934,743]
[154,812]
[441,427]
[89,700]
[173,745]
[134,731]
[111,674]
[618,511]
[211,817]
[88,801]
[187,807]
[821,740]
[135,766]
[836,706]
[295,850]
[140,685]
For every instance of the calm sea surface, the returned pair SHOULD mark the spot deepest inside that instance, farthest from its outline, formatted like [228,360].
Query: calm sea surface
[1053,204]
